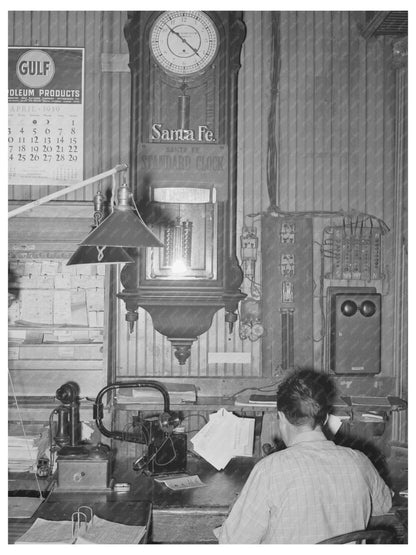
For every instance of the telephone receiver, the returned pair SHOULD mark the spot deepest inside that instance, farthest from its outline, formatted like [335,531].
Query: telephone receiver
[68,427]
[169,421]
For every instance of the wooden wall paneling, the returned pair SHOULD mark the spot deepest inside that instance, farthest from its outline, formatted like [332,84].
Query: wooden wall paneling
[213,369]
[13,28]
[308,98]
[92,110]
[148,346]
[283,162]
[375,150]
[106,101]
[302,192]
[320,112]
[358,187]
[400,361]
[292,153]
[318,321]
[142,339]
[389,133]
[247,73]
[340,172]
[200,357]
[254,107]
[54,31]
[158,354]
[354,116]
[63,28]
[328,112]
[168,358]
[226,369]
[388,208]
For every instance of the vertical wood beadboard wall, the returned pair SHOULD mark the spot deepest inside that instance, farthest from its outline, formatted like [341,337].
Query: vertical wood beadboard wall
[335,134]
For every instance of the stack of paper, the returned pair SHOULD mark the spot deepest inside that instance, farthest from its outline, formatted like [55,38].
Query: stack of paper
[224,436]
[23,453]
[100,531]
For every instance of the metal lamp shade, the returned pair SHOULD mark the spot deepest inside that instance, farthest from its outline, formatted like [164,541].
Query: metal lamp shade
[91,255]
[122,228]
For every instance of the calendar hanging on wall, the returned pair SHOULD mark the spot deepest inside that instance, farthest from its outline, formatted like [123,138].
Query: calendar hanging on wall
[46,111]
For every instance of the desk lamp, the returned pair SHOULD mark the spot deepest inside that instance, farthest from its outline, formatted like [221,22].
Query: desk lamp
[123,228]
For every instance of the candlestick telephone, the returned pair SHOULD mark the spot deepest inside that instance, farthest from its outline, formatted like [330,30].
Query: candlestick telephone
[81,465]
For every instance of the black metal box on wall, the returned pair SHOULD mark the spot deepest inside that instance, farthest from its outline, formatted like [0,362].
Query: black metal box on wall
[355,331]
[287,285]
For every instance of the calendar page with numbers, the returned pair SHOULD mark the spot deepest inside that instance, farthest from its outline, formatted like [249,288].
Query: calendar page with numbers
[46,111]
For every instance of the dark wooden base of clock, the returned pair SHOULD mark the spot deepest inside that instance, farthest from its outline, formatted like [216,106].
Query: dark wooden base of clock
[182,320]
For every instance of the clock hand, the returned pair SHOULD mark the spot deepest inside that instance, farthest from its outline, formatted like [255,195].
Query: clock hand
[183,40]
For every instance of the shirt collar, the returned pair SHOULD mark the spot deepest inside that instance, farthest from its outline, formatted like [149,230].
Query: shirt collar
[312,435]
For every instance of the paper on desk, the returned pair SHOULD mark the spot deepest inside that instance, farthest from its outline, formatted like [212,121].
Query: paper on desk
[182,482]
[48,531]
[105,531]
[102,531]
[224,436]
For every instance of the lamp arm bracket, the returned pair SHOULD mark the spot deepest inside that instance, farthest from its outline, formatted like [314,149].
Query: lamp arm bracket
[67,190]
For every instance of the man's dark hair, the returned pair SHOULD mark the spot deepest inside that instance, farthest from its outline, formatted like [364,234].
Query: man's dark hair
[305,397]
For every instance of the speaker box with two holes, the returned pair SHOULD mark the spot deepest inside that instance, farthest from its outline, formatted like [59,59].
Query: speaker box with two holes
[355,334]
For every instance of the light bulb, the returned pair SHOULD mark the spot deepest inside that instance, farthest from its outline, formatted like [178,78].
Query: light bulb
[178,267]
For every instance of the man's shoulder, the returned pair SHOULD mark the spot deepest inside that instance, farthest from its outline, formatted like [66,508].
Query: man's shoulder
[276,458]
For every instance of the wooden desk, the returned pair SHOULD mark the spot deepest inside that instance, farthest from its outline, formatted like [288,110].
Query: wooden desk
[189,516]
[108,505]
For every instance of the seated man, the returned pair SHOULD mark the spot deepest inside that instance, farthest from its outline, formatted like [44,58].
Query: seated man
[313,489]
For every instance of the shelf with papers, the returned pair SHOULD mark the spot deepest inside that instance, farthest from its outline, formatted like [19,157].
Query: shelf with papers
[49,327]
[202,404]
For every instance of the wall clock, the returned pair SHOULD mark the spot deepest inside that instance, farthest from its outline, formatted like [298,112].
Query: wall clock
[184,68]
[184,43]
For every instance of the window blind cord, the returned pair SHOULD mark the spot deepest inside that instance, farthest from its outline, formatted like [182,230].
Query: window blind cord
[24,432]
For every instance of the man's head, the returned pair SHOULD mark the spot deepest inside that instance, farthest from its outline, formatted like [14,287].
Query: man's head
[305,399]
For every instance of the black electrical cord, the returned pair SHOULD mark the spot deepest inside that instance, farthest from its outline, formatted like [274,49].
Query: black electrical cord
[174,453]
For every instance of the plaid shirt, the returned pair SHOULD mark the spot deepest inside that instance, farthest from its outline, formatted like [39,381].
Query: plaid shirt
[309,492]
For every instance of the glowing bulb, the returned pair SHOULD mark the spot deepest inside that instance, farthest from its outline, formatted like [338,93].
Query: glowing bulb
[178,267]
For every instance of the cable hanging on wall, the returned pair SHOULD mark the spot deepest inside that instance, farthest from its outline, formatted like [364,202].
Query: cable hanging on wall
[272,144]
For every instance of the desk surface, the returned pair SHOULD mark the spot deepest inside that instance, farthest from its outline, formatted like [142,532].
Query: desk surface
[186,516]
[189,516]
[220,491]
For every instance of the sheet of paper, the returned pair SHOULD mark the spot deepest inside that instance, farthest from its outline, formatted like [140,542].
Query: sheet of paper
[224,436]
[62,307]
[95,299]
[37,306]
[79,308]
[48,531]
[183,482]
[62,281]
[49,267]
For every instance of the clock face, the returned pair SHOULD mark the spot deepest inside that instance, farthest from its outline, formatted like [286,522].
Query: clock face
[184,43]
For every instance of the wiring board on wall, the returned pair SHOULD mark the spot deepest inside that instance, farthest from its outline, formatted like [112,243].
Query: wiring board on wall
[287,292]
[355,252]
